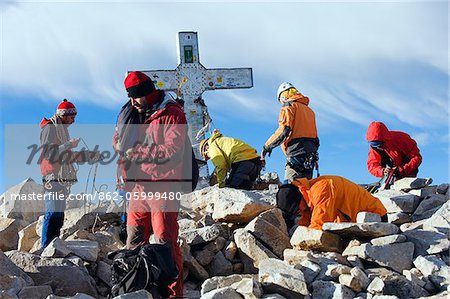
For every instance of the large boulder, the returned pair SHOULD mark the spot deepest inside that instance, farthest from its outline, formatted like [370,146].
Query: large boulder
[331,290]
[8,268]
[440,219]
[435,269]
[427,242]
[204,234]
[429,206]
[305,238]
[247,285]
[65,277]
[251,250]
[411,183]
[395,284]
[23,201]
[9,233]
[397,201]
[397,256]
[279,277]
[239,206]
[270,228]
[27,237]
[361,230]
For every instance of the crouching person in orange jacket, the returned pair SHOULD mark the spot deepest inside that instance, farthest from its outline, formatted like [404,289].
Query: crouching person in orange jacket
[325,199]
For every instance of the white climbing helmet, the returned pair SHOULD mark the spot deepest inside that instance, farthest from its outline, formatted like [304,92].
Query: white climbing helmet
[283,87]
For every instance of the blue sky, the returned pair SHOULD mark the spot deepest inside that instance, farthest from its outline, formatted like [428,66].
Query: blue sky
[356,61]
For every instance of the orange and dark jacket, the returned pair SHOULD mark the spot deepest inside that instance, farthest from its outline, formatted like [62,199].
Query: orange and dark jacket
[297,132]
[334,199]
[398,150]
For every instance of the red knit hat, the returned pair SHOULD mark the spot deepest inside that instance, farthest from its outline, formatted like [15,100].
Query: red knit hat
[138,85]
[66,108]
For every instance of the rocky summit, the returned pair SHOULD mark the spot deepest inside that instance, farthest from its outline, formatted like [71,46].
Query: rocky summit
[236,244]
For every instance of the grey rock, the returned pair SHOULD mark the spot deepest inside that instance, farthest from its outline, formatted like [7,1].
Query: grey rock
[11,284]
[443,189]
[27,237]
[397,256]
[216,245]
[223,281]
[361,230]
[397,201]
[269,228]
[426,191]
[396,284]
[56,248]
[427,242]
[239,206]
[388,240]
[220,266]
[65,277]
[35,292]
[331,290]
[192,264]
[272,296]
[186,224]
[279,277]
[85,249]
[305,238]
[203,235]
[8,268]
[246,285]
[440,219]
[364,217]
[28,210]
[251,250]
[429,206]
[310,270]
[376,286]
[204,257]
[435,269]
[221,293]
[411,183]
[336,270]
[398,218]
[230,250]
[9,233]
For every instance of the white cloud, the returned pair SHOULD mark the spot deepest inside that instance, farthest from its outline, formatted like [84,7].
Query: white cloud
[349,58]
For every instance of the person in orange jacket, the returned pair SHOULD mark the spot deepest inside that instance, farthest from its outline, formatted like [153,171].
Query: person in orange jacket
[391,150]
[296,133]
[325,199]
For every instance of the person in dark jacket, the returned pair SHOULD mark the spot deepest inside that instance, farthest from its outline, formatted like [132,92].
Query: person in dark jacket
[391,151]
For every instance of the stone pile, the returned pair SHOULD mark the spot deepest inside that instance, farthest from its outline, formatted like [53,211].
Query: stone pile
[236,244]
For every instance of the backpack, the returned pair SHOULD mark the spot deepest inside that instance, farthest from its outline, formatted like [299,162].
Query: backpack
[150,267]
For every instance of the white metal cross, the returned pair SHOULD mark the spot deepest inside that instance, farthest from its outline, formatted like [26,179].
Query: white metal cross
[190,79]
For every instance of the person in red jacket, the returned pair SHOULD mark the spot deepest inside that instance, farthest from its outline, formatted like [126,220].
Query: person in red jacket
[391,150]
[57,166]
[157,161]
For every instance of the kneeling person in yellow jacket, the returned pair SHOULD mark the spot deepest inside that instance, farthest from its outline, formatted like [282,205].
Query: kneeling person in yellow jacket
[234,156]
[326,199]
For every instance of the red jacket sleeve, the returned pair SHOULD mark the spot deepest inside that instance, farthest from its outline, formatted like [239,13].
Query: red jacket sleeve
[374,163]
[175,133]
[415,159]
